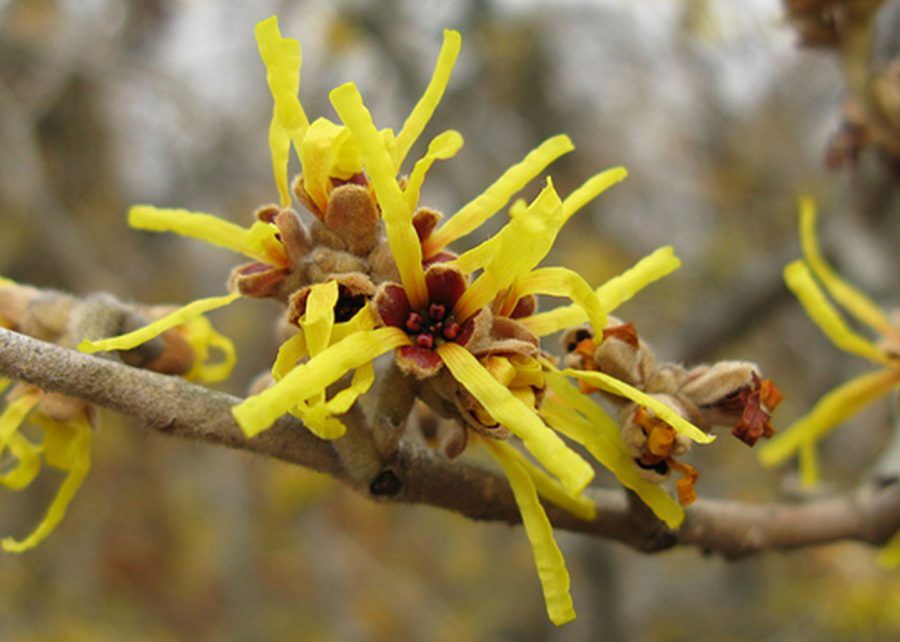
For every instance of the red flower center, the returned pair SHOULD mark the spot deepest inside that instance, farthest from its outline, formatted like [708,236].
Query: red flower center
[430,325]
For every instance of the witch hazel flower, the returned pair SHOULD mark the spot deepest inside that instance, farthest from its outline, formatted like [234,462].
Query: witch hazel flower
[372,273]
[813,281]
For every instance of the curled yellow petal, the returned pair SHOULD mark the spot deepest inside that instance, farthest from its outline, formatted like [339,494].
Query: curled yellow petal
[318,320]
[495,197]
[204,339]
[525,241]
[259,242]
[612,294]
[831,410]
[327,152]
[422,112]
[443,146]
[801,283]
[395,211]
[363,378]
[851,298]
[142,335]
[809,463]
[582,420]
[258,412]
[559,281]
[591,189]
[546,447]
[282,58]
[289,353]
[13,416]
[319,420]
[28,463]
[548,559]
[548,487]
[612,385]
[79,465]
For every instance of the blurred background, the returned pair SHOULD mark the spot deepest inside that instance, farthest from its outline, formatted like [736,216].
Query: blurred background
[722,119]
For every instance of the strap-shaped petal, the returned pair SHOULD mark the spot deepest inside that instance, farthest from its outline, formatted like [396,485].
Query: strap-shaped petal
[809,463]
[13,416]
[549,487]
[560,281]
[611,294]
[889,557]
[135,338]
[259,412]
[822,312]
[259,242]
[579,418]
[831,410]
[327,152]
[318,320]
[282,58]
[422,112]
[28,463]
[204,339]
[548,559]
[319,420]
[79,465]
[591,189]
[612,385]
[494,198]
[395,211]
[525,241]
[289,353]
[851,298]
[546,447]
[443,146]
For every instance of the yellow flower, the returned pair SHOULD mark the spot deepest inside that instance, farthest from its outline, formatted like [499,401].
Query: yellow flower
[804,279]
[66,446]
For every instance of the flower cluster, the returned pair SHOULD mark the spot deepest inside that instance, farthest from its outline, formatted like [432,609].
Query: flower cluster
[371,271]
[66,425]
[806,279]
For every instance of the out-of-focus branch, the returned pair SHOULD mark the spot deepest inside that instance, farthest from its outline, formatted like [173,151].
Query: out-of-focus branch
[173,406]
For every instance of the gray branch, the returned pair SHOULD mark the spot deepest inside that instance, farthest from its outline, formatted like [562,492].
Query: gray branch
[414,474]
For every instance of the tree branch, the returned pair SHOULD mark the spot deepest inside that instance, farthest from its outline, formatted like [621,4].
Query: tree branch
[416,475]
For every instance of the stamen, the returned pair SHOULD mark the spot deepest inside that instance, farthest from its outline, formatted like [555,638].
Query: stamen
[437,311]
[425,341]
[452,330]
[414,322]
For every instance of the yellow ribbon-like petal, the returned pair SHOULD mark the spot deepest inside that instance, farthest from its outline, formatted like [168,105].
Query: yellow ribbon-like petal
[289,353]
[549,487]
[548,559]
[559,281]
[525,241]
[395,211]
[591,189]
[494,198]
[318,320]
[259,242]
[612,385]
[422,112]
[581,419]
[135,338]
[801,283]
[851,298]
[611,294]
[13,416]
[809,463]
[258,412]
[831,410]
[319,420]
[327,152]
[549,450]
[79,465]
[203,339]
[28,464]
[282,58]
[443,146]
